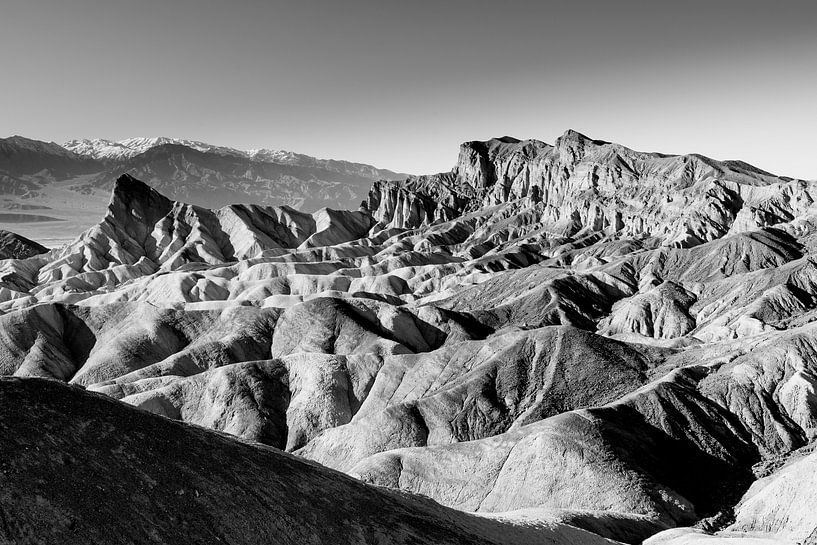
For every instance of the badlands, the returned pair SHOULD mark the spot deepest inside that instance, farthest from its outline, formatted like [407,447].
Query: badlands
[574,343]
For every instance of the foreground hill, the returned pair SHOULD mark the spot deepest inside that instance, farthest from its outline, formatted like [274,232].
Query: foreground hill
[579,334]
[80,468]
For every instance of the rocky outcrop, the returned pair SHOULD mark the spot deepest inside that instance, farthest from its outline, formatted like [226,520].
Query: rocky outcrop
[14,246]
[417,201]
[662,313]
[144,232]
[580,183]
[782,504]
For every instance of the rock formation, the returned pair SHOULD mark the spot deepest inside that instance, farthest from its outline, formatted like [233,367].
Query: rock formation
[14,246]
[577,336]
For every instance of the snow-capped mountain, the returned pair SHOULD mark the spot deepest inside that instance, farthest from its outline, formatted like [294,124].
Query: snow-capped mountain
[214,179]
[27,158]
[109,150]
[123,150]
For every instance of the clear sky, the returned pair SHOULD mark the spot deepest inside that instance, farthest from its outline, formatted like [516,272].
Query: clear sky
[399,84]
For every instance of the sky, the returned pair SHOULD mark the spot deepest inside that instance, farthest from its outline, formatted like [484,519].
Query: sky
[401,84]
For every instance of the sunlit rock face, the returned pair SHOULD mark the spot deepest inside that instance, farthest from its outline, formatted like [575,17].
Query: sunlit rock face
[581,184]
[575,342]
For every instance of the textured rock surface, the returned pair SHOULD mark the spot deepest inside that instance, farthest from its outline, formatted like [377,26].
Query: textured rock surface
[478,389]
[572,334]
[783,504]
[14,246]
[688,536]
[580,183]
[664,451]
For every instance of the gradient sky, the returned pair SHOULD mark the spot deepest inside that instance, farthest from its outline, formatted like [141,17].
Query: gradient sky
[401,84]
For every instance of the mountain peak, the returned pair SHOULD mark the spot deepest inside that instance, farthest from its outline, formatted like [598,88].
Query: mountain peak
[109,150]
[14,246]
[128,184]
[571,135]
[132,198]
[31,145]
[507,140]
[128,188]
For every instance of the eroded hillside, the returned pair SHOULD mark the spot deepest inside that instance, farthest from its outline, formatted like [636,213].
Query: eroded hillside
[577,334]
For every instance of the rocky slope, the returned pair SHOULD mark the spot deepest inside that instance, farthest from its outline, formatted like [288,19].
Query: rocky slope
[80,468]
[576,334]
[13,246]
[582,184]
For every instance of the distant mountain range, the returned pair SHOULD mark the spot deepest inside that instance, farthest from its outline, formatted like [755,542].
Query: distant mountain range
[52,193]
[197,172]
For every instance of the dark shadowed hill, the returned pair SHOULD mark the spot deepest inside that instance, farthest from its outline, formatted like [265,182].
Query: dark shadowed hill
[14,246]
[80,468]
